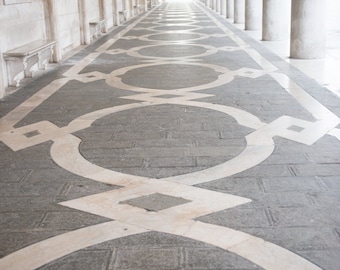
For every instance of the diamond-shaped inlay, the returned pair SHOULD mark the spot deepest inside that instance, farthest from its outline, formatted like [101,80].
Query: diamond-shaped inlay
[296,128]
[155,202]
[32,134]
[169,96]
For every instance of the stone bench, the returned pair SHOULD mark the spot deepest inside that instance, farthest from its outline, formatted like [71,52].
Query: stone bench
[122,15]
[96,28]
[23,61]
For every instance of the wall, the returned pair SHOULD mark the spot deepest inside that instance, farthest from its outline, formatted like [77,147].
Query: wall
[93,10]
[61,20]
[69,30]
[19,24]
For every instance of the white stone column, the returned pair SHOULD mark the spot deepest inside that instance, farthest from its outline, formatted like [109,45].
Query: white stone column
[54,28]
[218,6]
[223,11]
[239,11]
[84,23]
[276,19]
[213,4]
[307,40]
[115,11]
[103,14]
[230,8]
[253,15]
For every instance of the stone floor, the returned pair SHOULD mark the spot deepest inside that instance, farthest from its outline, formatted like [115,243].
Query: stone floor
[174,142]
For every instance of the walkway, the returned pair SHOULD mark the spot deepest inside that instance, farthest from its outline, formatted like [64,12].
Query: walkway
[174,142]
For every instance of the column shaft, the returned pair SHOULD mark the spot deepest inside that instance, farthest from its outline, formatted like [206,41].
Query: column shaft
[85,26]
[308,29]
[224,8]
[239,11]
[275,19]
[103,14]
[54,28]
[230,8]
[218,6]
[253,15]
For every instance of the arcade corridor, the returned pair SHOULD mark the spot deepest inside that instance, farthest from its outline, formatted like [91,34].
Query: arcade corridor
[173,142]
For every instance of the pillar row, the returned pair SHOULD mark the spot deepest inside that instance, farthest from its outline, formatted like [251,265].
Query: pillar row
[307,29]
[253,15]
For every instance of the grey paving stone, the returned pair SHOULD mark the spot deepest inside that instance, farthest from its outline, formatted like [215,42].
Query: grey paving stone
[90,260]
[16,175]
[331,182]
[238,218]
[234,185]
[175,50]
[278,200]
[207,259]
[14,240]
[25,160]
[317,169]
[267,171]
[166,142]
[69,220]
[300,217]
[12,221]
[164,162]
[161,76]
[287,158]
[155,202]
[106,63]
[299,239]
[114,162]
[29,203]
[147,259]
[286,184]
[328,259]
[158,172]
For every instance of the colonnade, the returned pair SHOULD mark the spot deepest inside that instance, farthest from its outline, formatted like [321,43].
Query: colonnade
[303,19]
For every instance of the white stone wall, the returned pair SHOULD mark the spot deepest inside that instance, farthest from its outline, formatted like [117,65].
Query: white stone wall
[69,25]
[60,20]
[20,24]
[93,10]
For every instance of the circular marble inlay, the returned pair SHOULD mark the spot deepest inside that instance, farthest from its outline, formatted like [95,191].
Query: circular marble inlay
[138,142]
[174,36]
[175,50]
[169,76]
[175,27]
[176,21]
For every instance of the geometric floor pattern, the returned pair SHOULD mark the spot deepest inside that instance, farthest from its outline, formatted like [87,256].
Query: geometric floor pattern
[174,142]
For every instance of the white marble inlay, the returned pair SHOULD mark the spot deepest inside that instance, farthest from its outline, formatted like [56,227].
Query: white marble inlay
[177,220]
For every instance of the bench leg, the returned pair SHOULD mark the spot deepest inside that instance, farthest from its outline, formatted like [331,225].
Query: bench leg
[32,66]
[44,57]
[15,71]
